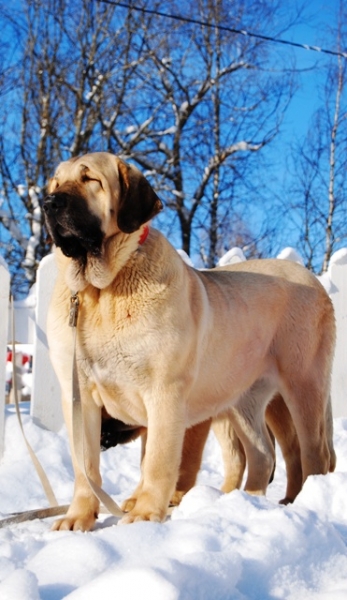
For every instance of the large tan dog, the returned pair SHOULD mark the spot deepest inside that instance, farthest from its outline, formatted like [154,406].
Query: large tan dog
[162,345]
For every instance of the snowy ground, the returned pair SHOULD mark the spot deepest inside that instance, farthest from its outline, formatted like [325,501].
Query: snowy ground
[214,547]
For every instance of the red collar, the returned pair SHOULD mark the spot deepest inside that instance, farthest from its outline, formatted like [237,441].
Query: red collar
[144,235]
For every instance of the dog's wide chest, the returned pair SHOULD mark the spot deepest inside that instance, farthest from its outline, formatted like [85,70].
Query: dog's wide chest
[115,373]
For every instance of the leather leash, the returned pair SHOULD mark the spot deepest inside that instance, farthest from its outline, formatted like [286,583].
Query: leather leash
[40,513]
[39,469]
[77,419]
[109,505]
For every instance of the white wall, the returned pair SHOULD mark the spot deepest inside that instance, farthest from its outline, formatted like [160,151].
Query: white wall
[338,294]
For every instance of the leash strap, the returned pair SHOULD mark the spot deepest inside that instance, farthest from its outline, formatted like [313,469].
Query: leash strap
[39,469]
[109,505]
[77,420]
[31,515]
[40,513]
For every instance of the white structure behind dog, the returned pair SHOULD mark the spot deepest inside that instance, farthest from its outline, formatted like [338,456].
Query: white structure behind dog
[4,296]
[45,398]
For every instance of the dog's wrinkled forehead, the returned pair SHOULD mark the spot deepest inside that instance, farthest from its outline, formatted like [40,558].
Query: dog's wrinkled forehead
[100,167]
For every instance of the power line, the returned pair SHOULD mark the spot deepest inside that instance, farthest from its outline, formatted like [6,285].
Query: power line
[259,36]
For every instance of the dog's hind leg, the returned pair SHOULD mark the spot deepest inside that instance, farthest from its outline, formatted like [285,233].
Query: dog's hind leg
[305,386]
[193,447]
[248,418]
[308,405]
[233,454]
[281,424]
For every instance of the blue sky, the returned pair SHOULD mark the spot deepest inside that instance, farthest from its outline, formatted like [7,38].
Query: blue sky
[315,33]
[320,17]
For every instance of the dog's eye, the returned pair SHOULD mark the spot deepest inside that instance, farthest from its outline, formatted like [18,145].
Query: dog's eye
[87,178]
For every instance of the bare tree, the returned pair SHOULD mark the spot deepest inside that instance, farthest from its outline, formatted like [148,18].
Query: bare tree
[67,57]
[321,166]
[206,107]
[193,105]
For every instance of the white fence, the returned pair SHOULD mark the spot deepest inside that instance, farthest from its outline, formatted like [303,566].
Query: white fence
[4,294]
[30,321]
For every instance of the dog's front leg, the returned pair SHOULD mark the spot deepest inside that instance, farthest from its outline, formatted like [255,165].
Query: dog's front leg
[84,508]
[165,437]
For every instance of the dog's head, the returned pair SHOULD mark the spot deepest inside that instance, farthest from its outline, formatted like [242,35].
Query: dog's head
[94,197]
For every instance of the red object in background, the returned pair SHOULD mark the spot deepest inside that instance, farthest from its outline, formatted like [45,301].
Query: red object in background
[25,358]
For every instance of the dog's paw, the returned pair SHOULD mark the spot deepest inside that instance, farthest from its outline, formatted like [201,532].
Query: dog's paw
[74,523]
[286,501]
[134,517]
[146,508]
[81,516]
[177,497]
[128,504]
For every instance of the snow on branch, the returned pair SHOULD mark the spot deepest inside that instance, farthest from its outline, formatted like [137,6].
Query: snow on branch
[29,261]
[218,159]
[12,227]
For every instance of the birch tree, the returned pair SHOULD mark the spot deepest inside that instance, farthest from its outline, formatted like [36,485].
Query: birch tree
[321,165]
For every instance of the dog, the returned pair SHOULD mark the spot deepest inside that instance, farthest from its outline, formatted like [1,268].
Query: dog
[114,432]
[163,346]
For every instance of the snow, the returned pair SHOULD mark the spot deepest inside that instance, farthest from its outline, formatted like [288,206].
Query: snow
[290,254]
[185,257]
[215,546]
[233,256]
[21,189]
[34,240]
[339,257]
[13,228]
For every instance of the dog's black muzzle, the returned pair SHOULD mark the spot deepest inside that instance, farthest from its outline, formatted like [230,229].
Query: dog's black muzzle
[54,203]
[72,226]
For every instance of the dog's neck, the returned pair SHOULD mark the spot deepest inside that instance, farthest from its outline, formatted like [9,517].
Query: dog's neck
[100,271]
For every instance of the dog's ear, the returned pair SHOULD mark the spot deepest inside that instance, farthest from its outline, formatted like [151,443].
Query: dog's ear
[138,202]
